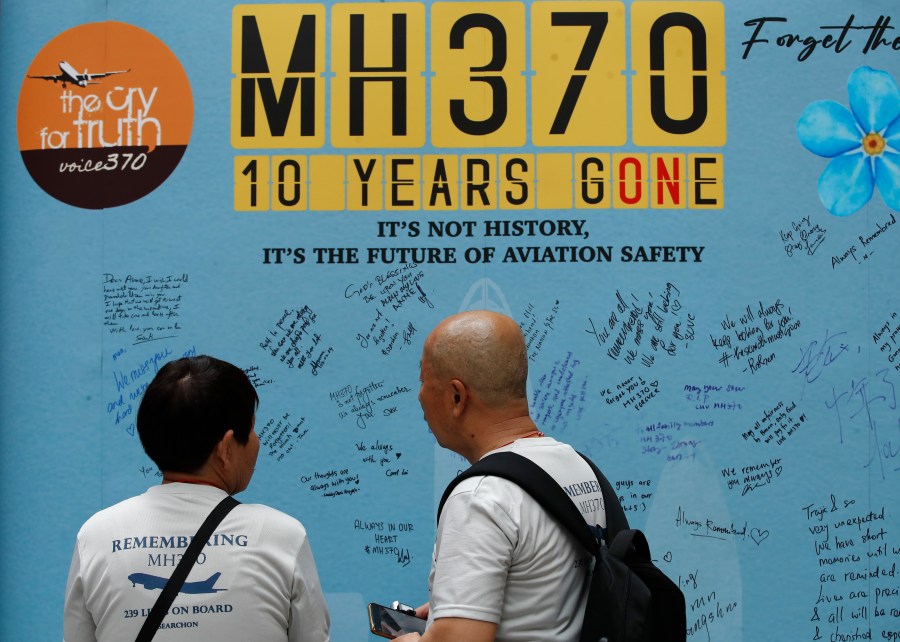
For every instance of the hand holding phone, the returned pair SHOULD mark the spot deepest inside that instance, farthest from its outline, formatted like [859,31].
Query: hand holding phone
[391,623]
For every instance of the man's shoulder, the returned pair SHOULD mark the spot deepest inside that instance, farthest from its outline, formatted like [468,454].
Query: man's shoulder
[278,528]
[139,508]
[271,516]
[558,459]
[546,452]
[486,494]
[543,444]
[115,513]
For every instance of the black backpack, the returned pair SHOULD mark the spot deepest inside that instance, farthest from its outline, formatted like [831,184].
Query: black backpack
[630,599]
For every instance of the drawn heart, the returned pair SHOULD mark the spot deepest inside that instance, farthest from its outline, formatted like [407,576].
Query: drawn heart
[758,536]
[398,455]
[778,471]
[668,556]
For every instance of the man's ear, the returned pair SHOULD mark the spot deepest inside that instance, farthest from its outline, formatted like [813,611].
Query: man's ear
[460,396]
[224,451]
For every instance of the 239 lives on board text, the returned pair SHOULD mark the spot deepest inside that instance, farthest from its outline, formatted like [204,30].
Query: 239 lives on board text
[527,80]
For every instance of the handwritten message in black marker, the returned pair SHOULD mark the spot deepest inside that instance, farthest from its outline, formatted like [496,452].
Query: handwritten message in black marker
[644,327]
[295,341]
[257,378]
[635,495]
[150,471]
[751,477]
[383,455]
[634,392]
[776,424]
[803,237]
[385,539]
[885,337]
[331,482]
[143,308]
[748,341]
[366,402]
[704,526]
[279,436]
[387,294]
[864,249]
[856,564]
[707,609]
[537,325]
[710,607]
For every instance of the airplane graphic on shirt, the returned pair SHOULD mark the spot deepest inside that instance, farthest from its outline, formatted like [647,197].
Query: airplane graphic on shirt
[151,582]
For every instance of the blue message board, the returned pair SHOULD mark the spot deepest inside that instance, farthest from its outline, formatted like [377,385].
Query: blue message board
[689,207]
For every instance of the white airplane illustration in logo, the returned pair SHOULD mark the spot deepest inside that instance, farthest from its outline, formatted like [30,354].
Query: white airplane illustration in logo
[70,75]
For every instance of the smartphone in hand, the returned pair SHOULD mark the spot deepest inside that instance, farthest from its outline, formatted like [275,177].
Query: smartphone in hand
[391,623]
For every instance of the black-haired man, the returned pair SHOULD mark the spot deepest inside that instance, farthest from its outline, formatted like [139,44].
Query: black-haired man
[255,579]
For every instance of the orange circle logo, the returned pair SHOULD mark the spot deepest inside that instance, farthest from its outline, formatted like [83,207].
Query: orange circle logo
[105,115]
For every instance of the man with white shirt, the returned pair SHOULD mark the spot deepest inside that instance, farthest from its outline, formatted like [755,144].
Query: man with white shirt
[503,569]
[255,578]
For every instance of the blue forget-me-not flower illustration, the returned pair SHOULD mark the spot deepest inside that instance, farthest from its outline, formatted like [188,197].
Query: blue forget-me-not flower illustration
[863,142]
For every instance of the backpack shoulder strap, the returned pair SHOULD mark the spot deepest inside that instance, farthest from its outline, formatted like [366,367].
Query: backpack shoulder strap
[535,481]
[616,521]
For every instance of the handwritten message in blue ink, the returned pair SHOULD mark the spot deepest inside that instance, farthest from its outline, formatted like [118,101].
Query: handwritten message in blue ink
[855,407]
[560,395]
[715,397]
[665,438]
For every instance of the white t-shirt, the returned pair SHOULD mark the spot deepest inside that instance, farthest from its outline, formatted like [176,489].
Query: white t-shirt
[255,578]
[499,557]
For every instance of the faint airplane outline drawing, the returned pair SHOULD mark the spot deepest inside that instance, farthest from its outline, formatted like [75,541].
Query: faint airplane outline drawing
[485,294]
[151,582]
[69,75]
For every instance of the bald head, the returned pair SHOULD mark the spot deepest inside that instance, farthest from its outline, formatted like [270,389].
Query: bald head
[485,350]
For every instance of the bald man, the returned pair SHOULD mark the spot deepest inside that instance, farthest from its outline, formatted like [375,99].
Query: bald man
[503,569]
